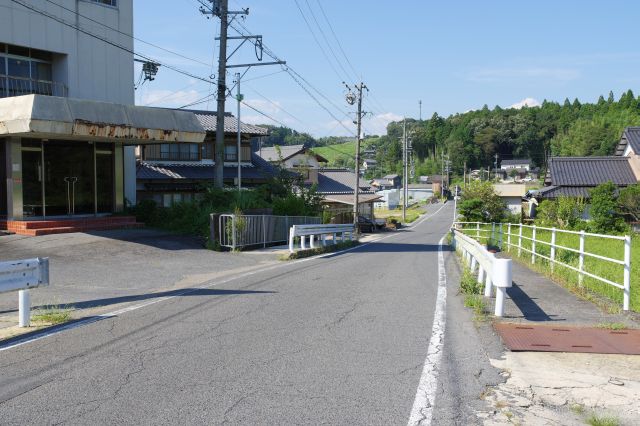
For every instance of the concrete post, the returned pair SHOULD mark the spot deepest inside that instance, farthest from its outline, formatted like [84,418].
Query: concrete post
[502,279]
[627,273]
[24,308]
[581,259]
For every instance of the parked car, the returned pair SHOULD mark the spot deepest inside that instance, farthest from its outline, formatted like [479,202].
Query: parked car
[366,225]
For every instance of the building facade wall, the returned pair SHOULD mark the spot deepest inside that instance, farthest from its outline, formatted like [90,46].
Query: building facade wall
[89,67]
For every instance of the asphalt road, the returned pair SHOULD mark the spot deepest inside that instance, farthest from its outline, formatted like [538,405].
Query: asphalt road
[341,339]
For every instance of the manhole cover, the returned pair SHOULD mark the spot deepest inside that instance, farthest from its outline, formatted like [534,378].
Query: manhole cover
[543,338]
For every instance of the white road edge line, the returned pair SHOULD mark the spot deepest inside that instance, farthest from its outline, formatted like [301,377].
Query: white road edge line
[422,411]
[90,320]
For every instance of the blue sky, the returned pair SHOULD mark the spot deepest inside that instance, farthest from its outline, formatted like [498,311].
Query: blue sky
[452,55]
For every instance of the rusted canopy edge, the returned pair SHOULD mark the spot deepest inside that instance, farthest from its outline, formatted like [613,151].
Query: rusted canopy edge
[55,117]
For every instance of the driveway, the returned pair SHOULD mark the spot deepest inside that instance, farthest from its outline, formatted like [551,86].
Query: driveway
[102,269]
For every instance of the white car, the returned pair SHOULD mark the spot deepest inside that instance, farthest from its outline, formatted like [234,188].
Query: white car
[527,179]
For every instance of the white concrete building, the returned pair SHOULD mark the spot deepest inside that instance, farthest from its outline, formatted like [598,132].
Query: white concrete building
[67,79]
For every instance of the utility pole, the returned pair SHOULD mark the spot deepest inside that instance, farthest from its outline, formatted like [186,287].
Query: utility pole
[352,99]
[239,98]
[404,171]
[495,168]
[420,104]
[220,8]
[464,176]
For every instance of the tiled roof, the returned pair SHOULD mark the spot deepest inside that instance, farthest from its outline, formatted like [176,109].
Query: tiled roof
[270,153]
[589,171]
[340,181]
[515,162]
[562,191]
[390,176]
[208,120]
[630,136]
[259,169]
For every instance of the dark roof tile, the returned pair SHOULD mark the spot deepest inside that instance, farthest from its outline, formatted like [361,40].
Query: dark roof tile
[589,171]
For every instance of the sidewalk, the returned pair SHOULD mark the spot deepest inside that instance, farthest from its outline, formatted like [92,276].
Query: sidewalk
[535,298]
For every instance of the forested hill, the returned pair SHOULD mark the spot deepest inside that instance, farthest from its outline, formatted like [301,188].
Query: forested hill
[568,129]
[474,137]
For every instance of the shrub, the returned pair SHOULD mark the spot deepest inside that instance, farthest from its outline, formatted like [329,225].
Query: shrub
[481,203]
[604,216]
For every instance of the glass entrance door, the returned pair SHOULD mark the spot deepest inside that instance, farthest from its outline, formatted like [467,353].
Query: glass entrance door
[69,178]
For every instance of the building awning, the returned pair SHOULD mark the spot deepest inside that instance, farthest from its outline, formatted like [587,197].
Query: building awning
[41,116]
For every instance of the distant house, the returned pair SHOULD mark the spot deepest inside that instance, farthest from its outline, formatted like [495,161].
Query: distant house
[295,158]
[629,147]
[420,191]
[516,164]
[171,173]
[512,195]
[387,182]
[368,164]
[575,176]
[337,188]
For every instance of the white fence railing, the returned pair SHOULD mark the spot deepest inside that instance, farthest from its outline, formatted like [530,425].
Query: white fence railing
[512,236]
[321,231]
[237,231]
[492,271]
[22,275]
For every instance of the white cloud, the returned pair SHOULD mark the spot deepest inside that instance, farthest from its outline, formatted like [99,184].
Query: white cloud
[497,74]
[264,106]
[169,98]
[377,125]
[530,102]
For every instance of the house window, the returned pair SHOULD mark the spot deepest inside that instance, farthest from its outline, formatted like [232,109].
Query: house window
[24,71]
[230,153]
[177,152]
[113,3]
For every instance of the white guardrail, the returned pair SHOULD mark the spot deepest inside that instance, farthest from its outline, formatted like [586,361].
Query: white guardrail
[513,238]
[237,231]
[492,271]
[23,275]
[311,231]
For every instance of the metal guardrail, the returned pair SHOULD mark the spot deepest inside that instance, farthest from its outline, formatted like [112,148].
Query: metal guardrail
[17,86]
[237,231]
[23,275]
[515,237]
[322,231]
[492,271]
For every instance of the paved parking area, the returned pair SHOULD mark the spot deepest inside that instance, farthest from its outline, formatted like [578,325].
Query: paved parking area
[102,269]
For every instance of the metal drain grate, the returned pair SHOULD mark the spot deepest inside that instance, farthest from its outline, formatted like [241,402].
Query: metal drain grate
[543,338]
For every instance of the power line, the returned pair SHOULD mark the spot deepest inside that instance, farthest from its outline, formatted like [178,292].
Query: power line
[337,39]
[276,105]
[324,53]
[109,42]
[313,15]
[127,34]
[299,79]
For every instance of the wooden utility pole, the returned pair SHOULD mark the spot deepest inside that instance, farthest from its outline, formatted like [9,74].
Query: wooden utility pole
[223,9]
[404,171]
[352,99]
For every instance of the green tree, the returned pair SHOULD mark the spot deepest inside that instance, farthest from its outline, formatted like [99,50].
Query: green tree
[604,215]
[629,201]
[480,202]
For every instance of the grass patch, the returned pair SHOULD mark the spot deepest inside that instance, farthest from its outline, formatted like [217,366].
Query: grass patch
[413,213]
[602,420]
[52,315]
[319,250]
[469,284]
[612,325]
[577,409]
[477,304]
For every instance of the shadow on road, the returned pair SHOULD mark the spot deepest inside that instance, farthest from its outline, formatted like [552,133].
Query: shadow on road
[138,297]
[529,308]
[375,247]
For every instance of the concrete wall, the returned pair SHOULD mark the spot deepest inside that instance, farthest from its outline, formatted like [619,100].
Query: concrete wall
[91,68]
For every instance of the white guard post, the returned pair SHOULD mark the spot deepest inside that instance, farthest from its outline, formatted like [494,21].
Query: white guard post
[502,279]
[22,275]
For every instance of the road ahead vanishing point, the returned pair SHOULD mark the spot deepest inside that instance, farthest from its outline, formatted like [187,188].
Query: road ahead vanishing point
[348,338]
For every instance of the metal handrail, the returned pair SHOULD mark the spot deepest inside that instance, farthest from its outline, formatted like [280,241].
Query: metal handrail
[15,86]
[534,240]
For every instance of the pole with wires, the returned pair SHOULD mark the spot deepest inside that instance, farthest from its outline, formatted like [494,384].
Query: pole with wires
[352,98]
[404,171]
[239,98]
[223,8]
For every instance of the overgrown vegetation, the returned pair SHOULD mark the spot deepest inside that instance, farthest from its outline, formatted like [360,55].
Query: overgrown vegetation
[472,291]
[480,203]
[285,194]
[51,315]
[602,420]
